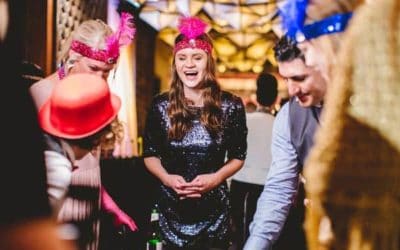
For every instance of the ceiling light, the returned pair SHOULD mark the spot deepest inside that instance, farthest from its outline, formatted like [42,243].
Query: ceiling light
[168,35]
[221,68]
[243,39]
[257,69]
[189,7]
[159,20]
[224,47]
[258,49]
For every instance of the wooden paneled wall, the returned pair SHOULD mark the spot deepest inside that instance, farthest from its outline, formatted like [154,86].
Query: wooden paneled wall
[49,22]
[146,82]
[36,33]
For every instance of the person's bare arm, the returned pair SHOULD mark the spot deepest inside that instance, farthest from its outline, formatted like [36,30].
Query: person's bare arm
[41,90]
[33,234]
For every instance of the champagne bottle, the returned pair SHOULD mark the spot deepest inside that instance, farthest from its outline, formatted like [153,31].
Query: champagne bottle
[154,241]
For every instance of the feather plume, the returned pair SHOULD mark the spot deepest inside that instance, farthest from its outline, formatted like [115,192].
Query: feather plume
[123,36]
[191,27]
[112,47]
[293,14]
[126,29]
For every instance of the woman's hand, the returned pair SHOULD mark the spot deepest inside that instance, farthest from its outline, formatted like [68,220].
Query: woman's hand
[178,184]
[204,183]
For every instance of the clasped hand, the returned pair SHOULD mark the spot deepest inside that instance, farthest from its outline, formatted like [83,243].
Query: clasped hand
[194,189]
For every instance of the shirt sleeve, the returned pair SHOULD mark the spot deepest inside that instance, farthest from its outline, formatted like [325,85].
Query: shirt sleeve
[59,174]
[237,145]
[280,188]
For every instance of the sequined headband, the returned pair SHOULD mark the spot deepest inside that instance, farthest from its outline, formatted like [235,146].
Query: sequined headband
[96,54]
[194,44]
[293,15]
[329,25]
[123,36]
[191,28]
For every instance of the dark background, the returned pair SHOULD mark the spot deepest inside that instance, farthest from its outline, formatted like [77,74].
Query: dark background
[133,189]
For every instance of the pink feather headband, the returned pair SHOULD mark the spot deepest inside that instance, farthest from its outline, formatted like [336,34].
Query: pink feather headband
[123,36]
[191,28]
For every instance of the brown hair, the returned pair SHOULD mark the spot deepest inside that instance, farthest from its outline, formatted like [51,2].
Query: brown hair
[179,110]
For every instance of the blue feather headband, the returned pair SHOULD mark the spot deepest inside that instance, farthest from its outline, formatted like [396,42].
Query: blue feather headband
[293,15]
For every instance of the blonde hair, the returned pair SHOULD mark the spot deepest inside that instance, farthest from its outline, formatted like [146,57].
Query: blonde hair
[352,172]
[93,33]
[320,9]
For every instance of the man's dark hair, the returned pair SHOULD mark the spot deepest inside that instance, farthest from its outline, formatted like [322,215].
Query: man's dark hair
[267,89]
[286,50]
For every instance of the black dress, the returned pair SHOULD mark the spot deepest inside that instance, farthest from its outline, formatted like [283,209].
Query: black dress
[202,222]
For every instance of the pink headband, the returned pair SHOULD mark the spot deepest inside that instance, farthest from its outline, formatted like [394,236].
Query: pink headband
[191,28]
[123,36]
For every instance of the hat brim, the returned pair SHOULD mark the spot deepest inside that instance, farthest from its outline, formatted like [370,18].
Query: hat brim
[45,122]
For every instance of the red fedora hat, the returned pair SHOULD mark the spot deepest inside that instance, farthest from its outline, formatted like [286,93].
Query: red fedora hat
[79,106]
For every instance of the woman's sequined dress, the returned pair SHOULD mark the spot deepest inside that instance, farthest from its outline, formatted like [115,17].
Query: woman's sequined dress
[198,221]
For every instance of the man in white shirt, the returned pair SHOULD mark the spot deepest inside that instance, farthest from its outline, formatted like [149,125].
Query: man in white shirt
[248,183]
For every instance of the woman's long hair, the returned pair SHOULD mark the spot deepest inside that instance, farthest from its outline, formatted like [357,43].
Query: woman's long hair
[179,110]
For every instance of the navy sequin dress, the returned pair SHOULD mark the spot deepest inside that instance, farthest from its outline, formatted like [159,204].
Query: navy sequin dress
[200,222]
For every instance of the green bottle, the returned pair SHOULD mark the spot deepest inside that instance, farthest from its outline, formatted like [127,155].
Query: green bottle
[154,241]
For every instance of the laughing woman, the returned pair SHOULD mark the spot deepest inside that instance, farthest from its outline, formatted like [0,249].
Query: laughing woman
[195,139]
